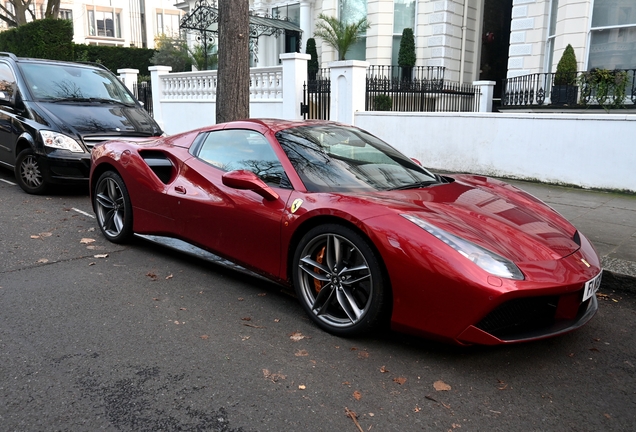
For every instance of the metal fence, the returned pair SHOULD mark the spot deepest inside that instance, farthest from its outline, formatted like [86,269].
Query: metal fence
[420,89]
[585,89]
[143,92]
[317,96]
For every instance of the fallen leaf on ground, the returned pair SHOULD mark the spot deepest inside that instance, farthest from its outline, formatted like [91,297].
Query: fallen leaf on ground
[87,241]
[244,338]
[252,325]
[152,276]
[296,336]
[43,260]
[35,237]
[46,234]
[246,319]
[363,354]
[91,263]
[357,395]
[274,377]
[441,386]
[594,349]
[301,353]
[100,256]
[204,337]
[399,380]
[276,319]
[302,387]
[417,409]
[347,383]
[383,369]
[456,425]
[240,299]
[169,276]
[353,416]
[182,309]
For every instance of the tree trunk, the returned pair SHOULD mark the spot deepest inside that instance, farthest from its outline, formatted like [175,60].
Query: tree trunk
[52,9]
[233,89]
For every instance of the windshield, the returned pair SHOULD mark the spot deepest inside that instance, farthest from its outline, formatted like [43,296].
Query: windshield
[338,158]
[68,82]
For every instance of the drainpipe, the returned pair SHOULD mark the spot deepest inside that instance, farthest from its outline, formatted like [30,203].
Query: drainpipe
[463,49]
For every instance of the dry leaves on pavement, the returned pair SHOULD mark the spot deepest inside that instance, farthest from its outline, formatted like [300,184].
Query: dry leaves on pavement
[441,386]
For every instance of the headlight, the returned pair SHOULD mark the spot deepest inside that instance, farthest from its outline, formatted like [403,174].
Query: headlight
[60,141]
[487,260]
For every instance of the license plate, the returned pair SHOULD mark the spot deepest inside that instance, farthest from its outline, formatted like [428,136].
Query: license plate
[591,286]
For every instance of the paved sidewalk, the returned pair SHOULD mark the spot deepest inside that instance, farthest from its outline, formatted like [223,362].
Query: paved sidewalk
[608,219]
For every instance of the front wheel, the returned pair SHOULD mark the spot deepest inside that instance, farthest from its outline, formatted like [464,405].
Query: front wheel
[112,207]
[28,173]
[339,280]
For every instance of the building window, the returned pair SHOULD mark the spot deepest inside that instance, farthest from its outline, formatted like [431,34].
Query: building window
[549,49]
[291,42]
[352,11]
[168,24]
[613,35]
[403,17]
[103,23]
[66,14]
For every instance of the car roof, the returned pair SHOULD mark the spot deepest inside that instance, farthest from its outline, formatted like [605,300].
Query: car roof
[50,61]
[276,125]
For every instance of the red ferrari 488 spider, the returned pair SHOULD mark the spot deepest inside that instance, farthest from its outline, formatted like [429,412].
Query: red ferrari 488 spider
[363,233]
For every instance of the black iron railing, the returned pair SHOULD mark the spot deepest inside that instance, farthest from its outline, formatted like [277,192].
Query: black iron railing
[143,92]
[317,96]
[421,89]
[598,87]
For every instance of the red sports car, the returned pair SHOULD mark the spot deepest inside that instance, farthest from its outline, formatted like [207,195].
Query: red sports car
[363,233]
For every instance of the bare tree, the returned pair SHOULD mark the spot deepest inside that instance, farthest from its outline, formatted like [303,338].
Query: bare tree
[233,91]
[22,12]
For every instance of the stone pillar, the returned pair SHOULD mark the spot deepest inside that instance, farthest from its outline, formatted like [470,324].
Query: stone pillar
[348,89]
[294,76]
[129,78]
[305,22]
[157,90]
[487,90]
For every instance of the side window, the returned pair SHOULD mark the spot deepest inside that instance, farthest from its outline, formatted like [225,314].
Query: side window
[7,82]
[236,149]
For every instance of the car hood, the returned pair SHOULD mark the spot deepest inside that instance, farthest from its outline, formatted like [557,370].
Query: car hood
[490,213]
[100,119]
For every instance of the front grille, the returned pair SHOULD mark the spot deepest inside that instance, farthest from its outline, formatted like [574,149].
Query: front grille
[91,142]
[520,316]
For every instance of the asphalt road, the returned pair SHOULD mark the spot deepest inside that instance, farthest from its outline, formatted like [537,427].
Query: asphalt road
[95,336]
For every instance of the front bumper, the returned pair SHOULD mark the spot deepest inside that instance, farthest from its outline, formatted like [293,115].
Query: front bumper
[63,167]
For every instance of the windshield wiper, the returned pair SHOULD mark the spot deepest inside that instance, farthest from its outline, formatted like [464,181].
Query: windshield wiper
[415,185]
[84,99]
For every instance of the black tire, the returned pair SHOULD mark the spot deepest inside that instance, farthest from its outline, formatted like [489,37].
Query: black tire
[28,173]
[339,280]
[112,208]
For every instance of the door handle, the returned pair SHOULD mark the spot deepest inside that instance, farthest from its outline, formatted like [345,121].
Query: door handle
[180,190]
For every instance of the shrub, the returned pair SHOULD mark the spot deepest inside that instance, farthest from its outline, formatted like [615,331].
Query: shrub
[566,68]
[382,102]
[312,64]
[406,54]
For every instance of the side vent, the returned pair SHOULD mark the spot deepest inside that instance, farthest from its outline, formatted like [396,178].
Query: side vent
[160,164]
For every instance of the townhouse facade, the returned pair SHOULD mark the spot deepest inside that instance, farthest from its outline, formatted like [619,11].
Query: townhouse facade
[127,23]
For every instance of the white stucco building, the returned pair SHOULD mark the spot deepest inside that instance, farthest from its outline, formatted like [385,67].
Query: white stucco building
[472,39]
[116,22]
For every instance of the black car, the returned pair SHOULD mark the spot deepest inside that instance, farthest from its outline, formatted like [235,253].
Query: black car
[52,113]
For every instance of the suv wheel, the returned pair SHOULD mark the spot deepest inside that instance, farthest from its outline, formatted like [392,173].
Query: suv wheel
[28,173]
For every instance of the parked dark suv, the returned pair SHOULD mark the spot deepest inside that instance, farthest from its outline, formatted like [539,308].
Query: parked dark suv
[52,113]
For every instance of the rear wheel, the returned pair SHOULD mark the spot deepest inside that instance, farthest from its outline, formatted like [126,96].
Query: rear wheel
[339,281]
[28,173]
[112,207]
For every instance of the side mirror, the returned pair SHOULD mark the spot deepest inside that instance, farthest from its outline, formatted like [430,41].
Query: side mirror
[247,180]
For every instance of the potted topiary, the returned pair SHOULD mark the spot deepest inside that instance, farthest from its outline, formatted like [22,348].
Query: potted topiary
[564,89]
[406,54]
[312,64]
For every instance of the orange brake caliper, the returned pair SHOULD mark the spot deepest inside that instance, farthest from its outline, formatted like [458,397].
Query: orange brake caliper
[319,258]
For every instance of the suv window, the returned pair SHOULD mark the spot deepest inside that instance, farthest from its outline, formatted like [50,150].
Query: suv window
[68,82]
[7,82]
[234,149]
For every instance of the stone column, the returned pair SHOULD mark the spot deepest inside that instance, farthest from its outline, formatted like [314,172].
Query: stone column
[157,90]
[487,90]
[129,78]
[305,22]
[348,89]
[294,76]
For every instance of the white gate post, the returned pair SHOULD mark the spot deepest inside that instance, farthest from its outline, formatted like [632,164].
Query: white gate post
[294,76]
[157,90]
[487,90]
[129,78]
[348,89]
